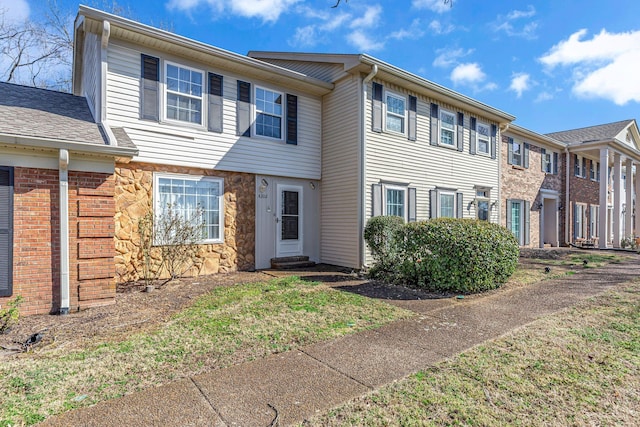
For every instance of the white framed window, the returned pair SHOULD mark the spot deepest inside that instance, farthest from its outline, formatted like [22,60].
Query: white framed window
[594,171]
[517,153]
[447,204]
[548,159]
[579,166]
[193,198]
[447,128]
[395,201]
[482,138]
[482,203]
[593,220]
[580,221]
[396,106]
[183,93]
[269,113]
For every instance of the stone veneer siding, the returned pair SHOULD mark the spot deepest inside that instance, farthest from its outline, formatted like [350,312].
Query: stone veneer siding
[525,184]
[36,240]
[583,190]
[134,198]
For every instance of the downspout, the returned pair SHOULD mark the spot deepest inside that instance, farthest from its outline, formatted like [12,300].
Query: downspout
[362,164]
[567,206]
[499,156]
[64,231]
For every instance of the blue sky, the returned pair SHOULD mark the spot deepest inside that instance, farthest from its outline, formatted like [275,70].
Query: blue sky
[554,64]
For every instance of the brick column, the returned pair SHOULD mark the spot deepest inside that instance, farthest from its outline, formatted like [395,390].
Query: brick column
[628,212]
[617,199]
[603,231]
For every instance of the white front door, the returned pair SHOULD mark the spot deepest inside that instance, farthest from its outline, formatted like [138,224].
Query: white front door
[289,221]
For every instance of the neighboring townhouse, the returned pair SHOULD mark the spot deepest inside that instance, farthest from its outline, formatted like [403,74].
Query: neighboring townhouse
[533,187]
[603,183]
[396,144]
[232,135]
[56,201]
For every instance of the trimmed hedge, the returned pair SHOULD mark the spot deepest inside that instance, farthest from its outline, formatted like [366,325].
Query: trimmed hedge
[383,235]
[451,255]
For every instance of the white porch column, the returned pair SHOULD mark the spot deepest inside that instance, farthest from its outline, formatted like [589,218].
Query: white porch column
[628,212]
[617,199]
[636,207]
[603,231]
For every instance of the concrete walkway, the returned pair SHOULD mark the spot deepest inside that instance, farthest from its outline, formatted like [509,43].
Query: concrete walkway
[296,385]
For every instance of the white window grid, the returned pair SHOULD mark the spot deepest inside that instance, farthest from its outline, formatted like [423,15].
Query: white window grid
[183,93]
[447,128]
[396,107]
[482,138]
[269,113]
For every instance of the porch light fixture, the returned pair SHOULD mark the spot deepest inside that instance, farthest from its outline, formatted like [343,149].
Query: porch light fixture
[263,185]
[312,185]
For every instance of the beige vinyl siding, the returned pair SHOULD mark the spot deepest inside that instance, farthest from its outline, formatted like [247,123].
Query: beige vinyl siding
[393,158]
[339,207]
[91,72]
[324,71]
[177,144]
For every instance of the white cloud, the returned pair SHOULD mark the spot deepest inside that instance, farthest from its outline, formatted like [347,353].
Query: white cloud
[507,23]
[448,57]
[438,6]
[544,96]
[414,31]
[14,10]
[519,83]
[469,73]
[267,10]
[603,67]
[327,22]
[363,42]
[438,28]
[370,18]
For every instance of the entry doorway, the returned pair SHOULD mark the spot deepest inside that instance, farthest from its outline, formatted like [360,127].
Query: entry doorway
[289,221]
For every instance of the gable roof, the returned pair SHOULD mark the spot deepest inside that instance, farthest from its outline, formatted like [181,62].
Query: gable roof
[337,66]
[41,117]
[592,133]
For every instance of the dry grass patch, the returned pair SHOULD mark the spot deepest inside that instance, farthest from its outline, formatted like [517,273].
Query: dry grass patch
[579,367]
[230,325]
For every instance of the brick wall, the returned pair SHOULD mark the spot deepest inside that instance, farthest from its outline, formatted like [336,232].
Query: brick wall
[36,240]
[526,183]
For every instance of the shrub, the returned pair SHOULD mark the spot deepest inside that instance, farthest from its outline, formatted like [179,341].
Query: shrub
[10,314]
[458,255]
[383,235]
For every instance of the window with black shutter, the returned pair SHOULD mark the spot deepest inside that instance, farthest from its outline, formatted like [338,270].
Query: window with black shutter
[243,109]
[215,102]
[149,90]
[292,119]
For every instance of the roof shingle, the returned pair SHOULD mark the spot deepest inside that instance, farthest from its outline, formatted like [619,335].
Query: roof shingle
[592,133]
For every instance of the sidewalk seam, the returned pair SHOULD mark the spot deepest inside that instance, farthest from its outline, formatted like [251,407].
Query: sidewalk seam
[209,401]
[344,374]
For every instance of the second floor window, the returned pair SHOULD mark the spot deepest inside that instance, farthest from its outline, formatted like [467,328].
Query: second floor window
[447,128]
[594,171]
[579,166]
[268,113]
[184,94]
[482,136]
[396,107]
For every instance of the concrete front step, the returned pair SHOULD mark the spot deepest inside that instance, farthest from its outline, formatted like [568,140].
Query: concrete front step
[284,263]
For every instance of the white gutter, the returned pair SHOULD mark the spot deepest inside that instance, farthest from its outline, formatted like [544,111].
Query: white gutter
[567,206]
[363,165]
[64,231]
[80,147]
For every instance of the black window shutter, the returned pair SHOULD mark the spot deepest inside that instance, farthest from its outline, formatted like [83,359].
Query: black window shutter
[460,131]
[555,163]
[413,118]
[472,135]
[149,88]
[494,133]
[433,203]
[376,199]
[215,102]
[510,151]
[527,215]
[525,151]
[413,199]
[243,109]
[459,205]
[434,124]
[292,119]
[6,231]
[376,117]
